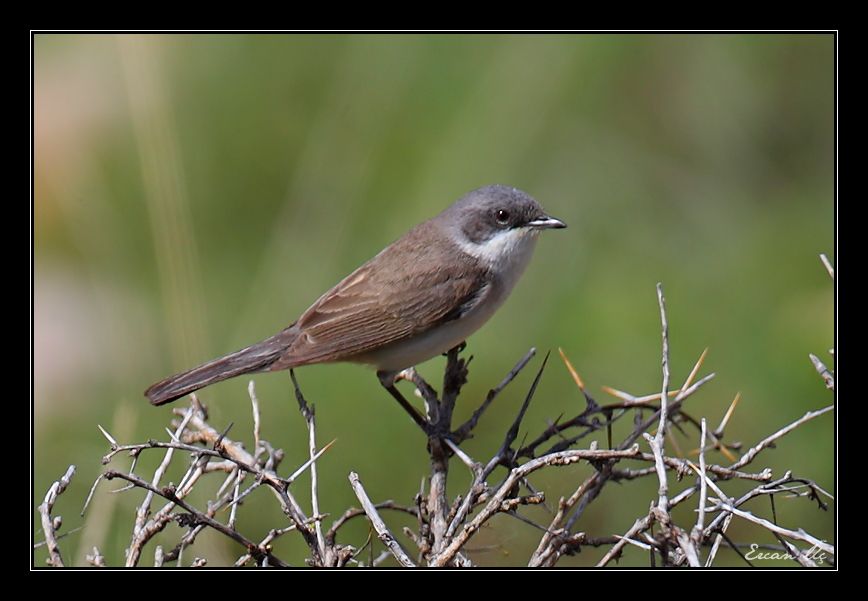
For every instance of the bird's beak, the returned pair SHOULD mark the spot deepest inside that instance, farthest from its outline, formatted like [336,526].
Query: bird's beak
[545,222]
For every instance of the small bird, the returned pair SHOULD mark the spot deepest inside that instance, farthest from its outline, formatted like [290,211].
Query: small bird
[419,297]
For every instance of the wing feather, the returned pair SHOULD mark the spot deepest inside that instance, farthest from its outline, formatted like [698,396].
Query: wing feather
[375,306]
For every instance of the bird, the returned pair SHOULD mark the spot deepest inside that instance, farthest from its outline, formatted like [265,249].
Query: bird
[421,296]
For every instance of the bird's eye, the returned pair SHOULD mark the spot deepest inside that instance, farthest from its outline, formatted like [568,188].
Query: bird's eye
[502,216]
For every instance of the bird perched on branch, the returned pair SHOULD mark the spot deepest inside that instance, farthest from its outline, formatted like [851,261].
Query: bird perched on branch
[419,297]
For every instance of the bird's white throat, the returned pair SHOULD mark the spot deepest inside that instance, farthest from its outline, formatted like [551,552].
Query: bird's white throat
[507,253]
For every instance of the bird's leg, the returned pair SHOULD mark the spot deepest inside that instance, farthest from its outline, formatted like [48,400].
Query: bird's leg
[387,380]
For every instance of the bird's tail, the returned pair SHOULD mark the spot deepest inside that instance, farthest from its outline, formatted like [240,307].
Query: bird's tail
[252,359]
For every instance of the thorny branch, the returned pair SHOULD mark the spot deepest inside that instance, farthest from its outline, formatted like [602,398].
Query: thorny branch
[444,527]
[825,373]
[51,526]
[386,537]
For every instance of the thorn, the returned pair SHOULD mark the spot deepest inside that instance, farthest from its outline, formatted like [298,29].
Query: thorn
[620,394]
[693,372]
[727,453]
[108,436]
[576,378]
[218,444]
[309,462]
[172,435]
[828,265]
[718,433]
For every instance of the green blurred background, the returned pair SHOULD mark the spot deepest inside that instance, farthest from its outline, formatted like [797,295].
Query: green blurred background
[195,193]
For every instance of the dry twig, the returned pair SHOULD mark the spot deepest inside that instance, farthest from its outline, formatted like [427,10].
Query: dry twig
[444,527]
[51,526]
[379,525]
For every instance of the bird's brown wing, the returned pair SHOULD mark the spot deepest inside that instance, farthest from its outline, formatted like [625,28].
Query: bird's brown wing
[373,307]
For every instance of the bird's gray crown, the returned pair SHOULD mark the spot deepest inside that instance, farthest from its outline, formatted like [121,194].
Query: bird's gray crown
[484,212]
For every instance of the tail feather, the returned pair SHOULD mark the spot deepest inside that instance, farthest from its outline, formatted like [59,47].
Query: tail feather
[252,359]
